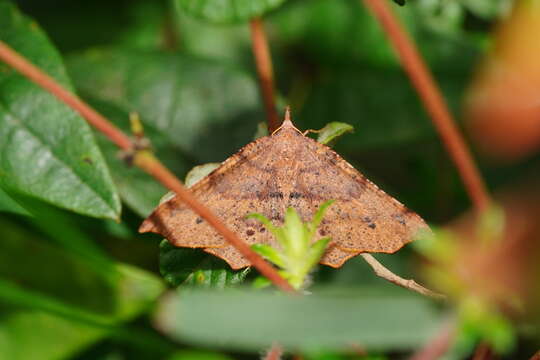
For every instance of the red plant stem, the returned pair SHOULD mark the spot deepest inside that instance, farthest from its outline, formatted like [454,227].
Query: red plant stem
[536,356]
[263,61]
[433,101]
[12,58]
[144,160]
[438,345]
[152,166]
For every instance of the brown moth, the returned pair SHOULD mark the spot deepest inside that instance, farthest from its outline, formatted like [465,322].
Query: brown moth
[282,170]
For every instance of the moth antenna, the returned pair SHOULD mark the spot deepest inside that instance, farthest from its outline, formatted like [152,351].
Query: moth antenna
[287,123]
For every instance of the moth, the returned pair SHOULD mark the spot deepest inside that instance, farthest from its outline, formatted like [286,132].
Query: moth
[288,169]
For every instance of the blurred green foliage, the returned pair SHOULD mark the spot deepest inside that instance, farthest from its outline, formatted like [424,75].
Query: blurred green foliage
[76,286]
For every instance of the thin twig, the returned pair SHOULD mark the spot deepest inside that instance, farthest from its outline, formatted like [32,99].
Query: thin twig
[433,101]
[143,159]
[439,345]
[261,52]
[383,272]
[274,353]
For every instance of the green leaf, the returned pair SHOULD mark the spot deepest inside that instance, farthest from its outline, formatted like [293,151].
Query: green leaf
[481,321]
[354,96]
[62,230]
[316,252]
[199,172]
[262,130]
[268,252]
[193,176]
[316,28]
[228,11]
[9,204]
[261,282]
[197,355]
[177,264]
[318,217]
[296,255]
[58,305]
[333,130]
[191,102]
[213,41]
[267,223]
[487,9]
[295,238]
[48,151]
[181,266]
[138,190]
[215,273]
[332,320]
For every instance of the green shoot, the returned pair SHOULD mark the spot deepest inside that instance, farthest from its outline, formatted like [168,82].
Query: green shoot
[297,253]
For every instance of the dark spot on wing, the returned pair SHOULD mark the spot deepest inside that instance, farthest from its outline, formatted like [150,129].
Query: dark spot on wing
[399,219]
[250,232]
[198,220]
[372,226]
[295,195]
[276,194]
[322,232]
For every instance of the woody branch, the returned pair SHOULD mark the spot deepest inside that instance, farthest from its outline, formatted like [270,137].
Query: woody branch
[263,62]
[143,159]
[433,101]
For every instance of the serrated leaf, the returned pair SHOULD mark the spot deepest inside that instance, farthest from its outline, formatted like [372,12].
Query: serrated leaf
[228,11]
[177,264]
[181,266]
[48,151]
[189,101]
[331,131]
[216,274]
[330,321]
